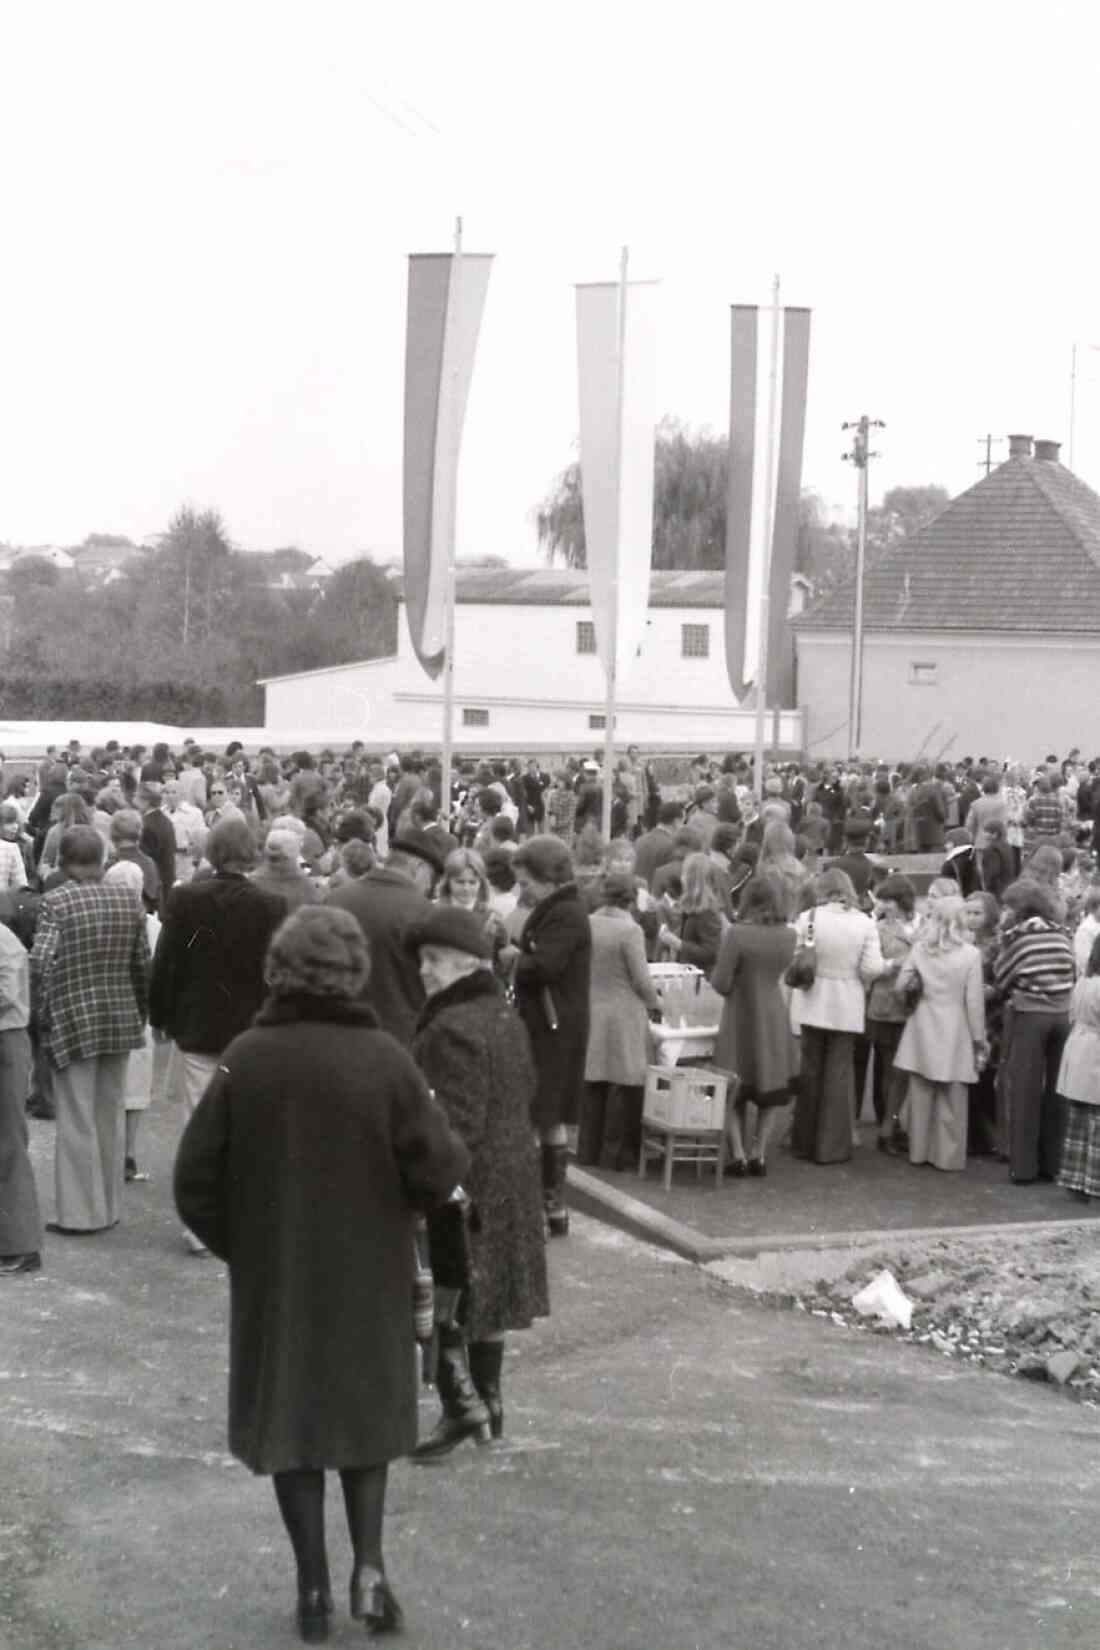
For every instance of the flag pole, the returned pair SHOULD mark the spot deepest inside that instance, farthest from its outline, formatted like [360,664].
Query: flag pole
[613,647]
[766,570]
[451,389]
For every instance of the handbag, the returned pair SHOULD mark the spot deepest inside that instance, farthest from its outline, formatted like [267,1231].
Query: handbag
[913,991]
[802,968]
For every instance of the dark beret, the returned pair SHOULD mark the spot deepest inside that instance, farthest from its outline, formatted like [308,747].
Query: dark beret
[421,846]
[450,925]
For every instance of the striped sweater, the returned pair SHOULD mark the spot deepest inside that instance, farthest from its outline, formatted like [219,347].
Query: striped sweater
[1035,967]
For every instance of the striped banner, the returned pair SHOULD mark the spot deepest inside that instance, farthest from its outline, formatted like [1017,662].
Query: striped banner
[446,301]
[618,417]
[747,550]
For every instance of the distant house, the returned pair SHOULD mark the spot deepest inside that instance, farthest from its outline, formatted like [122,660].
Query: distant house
[61,559]
[104,562]
[981,630]
[527,675]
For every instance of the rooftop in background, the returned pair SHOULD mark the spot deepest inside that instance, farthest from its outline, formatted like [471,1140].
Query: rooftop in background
[562,587]
[1018,551]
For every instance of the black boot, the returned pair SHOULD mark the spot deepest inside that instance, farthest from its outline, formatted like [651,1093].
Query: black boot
[464,1414]
[555,1160]
[486,1358]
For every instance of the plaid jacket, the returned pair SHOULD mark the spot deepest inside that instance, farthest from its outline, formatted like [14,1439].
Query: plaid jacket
[90,971]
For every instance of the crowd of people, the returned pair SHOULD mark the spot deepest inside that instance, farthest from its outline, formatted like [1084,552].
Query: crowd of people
[374,1002]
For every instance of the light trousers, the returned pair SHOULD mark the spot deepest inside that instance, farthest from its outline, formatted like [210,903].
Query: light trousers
[91,1141]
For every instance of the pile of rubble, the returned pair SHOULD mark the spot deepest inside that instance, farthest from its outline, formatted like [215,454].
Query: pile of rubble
[1024,1305]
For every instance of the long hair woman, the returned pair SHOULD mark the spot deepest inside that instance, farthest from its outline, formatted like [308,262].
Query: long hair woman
[778,859]
[702,909]
[301,1168]
[464,882]
[943,1046]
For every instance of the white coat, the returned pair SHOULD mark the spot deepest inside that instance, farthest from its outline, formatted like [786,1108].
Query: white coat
[849,958]
[1079,1073]
[938,1041]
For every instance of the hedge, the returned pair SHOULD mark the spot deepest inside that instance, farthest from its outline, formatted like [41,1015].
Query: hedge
[98,699]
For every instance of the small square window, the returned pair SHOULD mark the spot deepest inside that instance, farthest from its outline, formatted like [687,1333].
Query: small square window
[923,673]
[586,636]
[695,641]
[597,722]
[474,718]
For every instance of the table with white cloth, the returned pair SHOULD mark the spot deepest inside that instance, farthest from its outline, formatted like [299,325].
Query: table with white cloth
[690,1014]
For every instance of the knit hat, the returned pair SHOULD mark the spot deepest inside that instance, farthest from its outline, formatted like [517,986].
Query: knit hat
[320,951]
[451,926]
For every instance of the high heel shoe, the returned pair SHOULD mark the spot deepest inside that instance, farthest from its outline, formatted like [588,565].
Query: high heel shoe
[374,1602]
[314,1609]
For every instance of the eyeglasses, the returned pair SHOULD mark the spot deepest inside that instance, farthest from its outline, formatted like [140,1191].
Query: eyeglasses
[217,793]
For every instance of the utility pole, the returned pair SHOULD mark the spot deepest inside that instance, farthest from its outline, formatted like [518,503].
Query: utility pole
[860,456]
[988,442]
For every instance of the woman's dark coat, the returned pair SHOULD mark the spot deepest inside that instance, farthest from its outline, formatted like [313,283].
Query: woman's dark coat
[552,981]
[301,1167]
[475,1055]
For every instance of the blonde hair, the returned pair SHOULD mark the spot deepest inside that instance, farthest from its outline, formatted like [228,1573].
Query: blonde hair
[457,861]
[944,927]
[700,883]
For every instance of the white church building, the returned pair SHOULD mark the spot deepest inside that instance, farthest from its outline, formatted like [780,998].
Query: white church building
[528,678]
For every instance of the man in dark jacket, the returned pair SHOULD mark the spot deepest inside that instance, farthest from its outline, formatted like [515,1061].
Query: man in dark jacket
[208,973]
[658,846]
[158,837]
[386,903]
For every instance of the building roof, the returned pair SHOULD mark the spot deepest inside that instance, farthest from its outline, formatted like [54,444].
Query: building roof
[1018,551]
[562,587]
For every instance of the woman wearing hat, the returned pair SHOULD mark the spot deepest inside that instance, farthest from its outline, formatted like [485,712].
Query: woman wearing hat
[475,1054]
[551,971]
[300,1168]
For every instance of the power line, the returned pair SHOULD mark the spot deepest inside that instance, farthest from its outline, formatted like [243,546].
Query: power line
[988,442]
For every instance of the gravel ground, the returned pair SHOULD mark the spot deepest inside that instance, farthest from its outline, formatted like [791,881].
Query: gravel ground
[1024,1304]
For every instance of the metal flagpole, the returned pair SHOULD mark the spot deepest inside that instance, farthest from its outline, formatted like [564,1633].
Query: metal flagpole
[613,649]
[859,456]
[453,312]
[766,571]
[1072,400]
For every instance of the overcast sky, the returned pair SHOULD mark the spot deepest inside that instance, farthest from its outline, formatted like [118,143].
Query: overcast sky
[208,210]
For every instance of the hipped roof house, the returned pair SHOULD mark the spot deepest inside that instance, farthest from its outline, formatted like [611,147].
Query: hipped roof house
[981,629]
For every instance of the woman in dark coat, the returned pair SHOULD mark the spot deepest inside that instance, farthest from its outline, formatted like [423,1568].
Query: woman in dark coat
[754,1037]
[300,1168]
[475,1054]
[551,970]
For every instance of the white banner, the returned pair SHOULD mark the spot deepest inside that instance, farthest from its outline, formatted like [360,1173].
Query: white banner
[618,413]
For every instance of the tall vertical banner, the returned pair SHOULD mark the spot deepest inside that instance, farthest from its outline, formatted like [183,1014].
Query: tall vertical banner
[749,557]
[445,305]
[617,370]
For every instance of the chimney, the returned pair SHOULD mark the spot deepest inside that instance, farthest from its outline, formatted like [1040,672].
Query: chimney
[1048,451]
[1019,446]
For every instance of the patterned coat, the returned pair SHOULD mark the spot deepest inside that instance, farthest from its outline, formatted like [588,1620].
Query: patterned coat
[475,1055]
[90,971]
